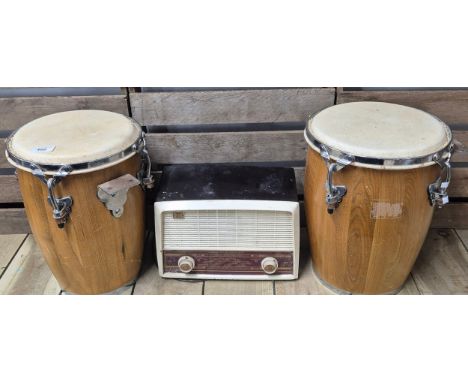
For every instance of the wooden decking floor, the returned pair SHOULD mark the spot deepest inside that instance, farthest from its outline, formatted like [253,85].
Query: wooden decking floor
[441,268]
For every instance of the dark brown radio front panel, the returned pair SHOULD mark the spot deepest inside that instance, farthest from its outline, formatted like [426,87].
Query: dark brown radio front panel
[228,262]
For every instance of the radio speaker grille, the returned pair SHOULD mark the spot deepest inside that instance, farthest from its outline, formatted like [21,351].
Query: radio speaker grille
[228,229]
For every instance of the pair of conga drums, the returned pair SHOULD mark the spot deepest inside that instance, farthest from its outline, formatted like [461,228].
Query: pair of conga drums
[82,175]
[374,173]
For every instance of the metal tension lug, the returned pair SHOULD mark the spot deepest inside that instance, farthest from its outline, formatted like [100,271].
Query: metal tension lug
[114,193]
[437,191]
[335,193]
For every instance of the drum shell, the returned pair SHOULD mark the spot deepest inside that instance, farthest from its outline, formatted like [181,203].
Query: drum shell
[371,241]
[95,252]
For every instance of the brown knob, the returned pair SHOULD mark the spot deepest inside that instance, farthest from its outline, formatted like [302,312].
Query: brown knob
[269,265]
[186,264]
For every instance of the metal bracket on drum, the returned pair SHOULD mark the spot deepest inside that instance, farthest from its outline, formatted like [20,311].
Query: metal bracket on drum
[438,190]
[61,206]
[144,175]
[114,193]
[335,193]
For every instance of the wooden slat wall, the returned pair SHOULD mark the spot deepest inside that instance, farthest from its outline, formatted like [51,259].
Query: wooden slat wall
[213,107]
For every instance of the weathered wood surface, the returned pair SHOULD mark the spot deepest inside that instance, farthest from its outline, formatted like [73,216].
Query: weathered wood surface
[9,189]
[9,244]
[463,235]
[13,220]
[442,266]
[233,287]
[150,282]
[17,111]
[28,272]
[229,106]
[458,185]
[258,146]
[449,105]
[452,215]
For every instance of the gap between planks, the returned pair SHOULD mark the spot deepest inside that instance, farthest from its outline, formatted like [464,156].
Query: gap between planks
[28,273]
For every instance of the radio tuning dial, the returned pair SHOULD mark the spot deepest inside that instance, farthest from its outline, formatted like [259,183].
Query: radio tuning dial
[186,264]
[269,265]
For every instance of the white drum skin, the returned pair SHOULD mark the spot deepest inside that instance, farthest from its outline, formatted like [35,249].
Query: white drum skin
[379,130]
[74,137]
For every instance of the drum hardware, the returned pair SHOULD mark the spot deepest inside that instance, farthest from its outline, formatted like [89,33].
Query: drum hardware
[144,175]
[335,193]
[438,190]
[61,206]
[114,193]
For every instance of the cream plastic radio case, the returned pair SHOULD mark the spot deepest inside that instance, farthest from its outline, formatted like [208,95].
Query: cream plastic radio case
[227,222]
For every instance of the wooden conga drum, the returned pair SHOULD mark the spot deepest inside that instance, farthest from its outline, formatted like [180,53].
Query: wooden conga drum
[374,173]
[81,175]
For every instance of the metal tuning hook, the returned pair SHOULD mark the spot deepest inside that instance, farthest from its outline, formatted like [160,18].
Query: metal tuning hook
[335,193]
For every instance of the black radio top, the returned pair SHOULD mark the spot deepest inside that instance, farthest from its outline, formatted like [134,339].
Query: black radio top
[226,181]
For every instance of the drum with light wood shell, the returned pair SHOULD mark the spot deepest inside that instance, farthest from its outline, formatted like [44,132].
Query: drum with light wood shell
[375,172]
[81,175]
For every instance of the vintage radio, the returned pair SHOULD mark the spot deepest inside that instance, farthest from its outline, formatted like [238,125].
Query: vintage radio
[227,222]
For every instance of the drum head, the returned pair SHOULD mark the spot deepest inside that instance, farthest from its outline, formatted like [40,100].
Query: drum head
[382,131]
[86,139]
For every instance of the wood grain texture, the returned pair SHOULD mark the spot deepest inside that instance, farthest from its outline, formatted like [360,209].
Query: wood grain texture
[442,267]
[225,287]
[452,215]
[13,220]
[259,146]
[95,252]
[307,283]
[463,235]
[17,111]
[151,283]
[363,248]
[228,262]
[229,106]
[458,185]
[9,245]
[28,272]
[449,105]
[9,187]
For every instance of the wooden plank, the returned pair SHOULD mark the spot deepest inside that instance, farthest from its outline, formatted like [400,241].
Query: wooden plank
[232,287]
[9,245]
[10,189]
[410,287]
[17,111]
[150,282]
[449,105]
[229,106]
[452,215]
[255,146]
[258,146]
[463,235]
[13,220]
[442,266]
[28,272]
